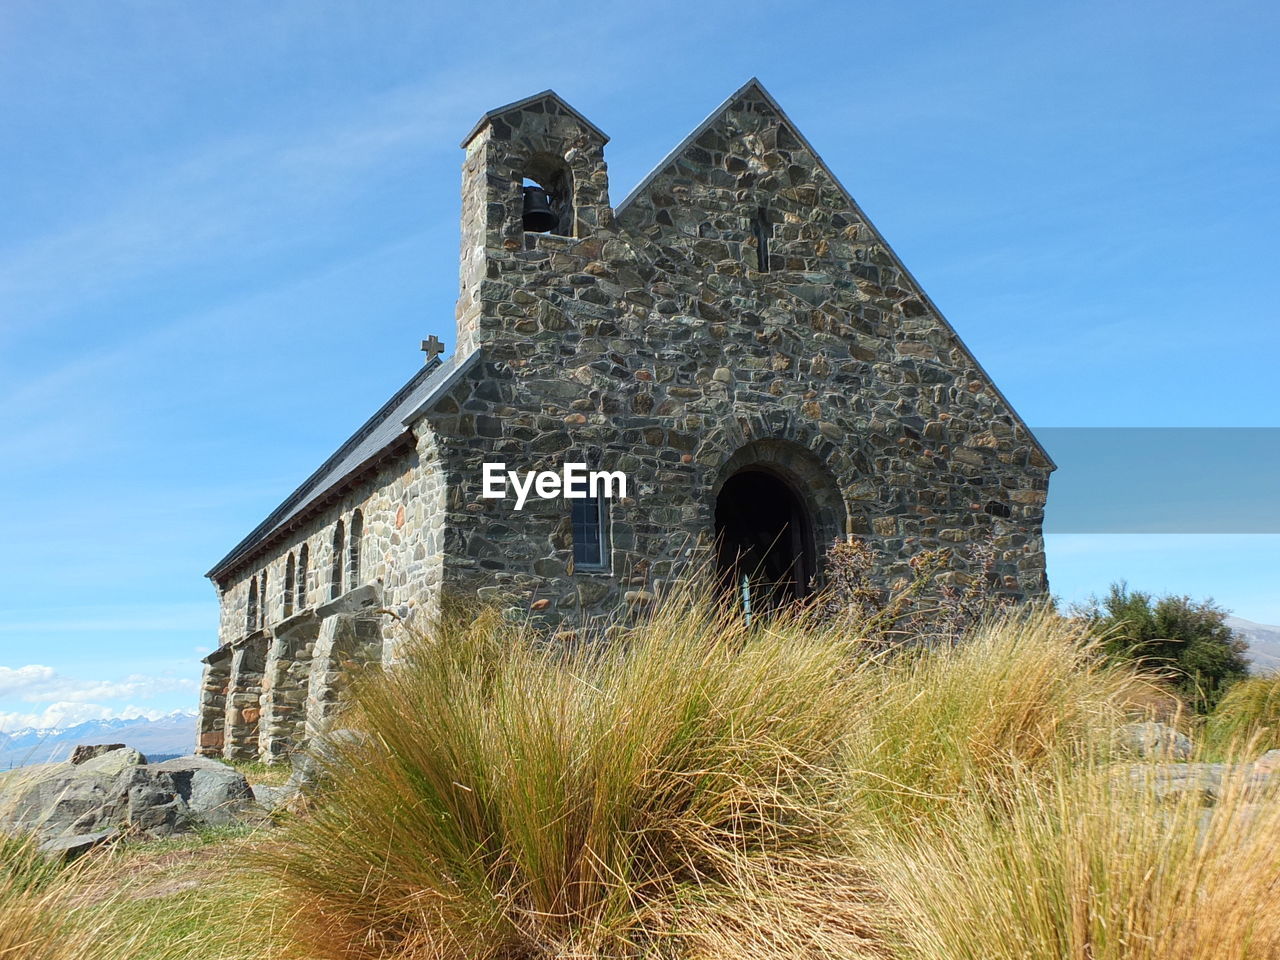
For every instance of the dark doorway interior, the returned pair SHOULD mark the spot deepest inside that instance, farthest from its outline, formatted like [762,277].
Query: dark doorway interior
[763,534]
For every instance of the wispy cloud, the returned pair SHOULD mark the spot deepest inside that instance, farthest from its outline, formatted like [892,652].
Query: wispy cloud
[35,683]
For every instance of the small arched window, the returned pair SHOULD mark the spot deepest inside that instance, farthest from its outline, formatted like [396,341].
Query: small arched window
[353,550]
[251,611]
[290,578]
[304,559]
[335,568]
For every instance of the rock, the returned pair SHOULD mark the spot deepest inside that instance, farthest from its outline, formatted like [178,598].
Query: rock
[113,762]
[1268,763]
[271,797]
[217,794]
[60,798]
[68,848]
[1152,740]
[87,752]
[1171,781]
[116,790]
[155,807]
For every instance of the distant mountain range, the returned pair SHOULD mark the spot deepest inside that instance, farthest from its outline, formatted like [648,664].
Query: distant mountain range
[172,735]
[1263,640]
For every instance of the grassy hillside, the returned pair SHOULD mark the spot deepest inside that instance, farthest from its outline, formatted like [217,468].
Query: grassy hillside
[699,788]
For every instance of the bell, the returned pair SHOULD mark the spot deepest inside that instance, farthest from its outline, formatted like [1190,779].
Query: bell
[537,217]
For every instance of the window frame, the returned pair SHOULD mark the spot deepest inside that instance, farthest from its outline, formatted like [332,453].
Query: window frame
[605,563]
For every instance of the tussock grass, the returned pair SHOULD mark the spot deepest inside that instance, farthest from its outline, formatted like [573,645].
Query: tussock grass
[522,800]
[1089,866]
[34,919]
[1025,693]
[1247,720]
[698,788]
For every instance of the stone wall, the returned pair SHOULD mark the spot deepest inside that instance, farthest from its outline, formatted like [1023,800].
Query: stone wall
[263,693]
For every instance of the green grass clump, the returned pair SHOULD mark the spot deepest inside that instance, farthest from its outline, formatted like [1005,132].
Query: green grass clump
[1247,719]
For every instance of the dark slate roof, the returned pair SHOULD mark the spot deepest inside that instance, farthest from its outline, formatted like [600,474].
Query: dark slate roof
[517,104]
[382,431]
[755,86]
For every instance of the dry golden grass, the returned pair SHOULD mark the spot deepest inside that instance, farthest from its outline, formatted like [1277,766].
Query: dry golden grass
[518,799]
[1089,867]
[1026,692]
[36,922]
[703,790]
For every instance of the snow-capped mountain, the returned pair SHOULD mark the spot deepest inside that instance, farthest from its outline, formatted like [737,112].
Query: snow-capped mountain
[171,735]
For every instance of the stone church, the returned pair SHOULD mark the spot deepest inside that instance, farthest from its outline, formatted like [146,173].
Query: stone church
[734,337]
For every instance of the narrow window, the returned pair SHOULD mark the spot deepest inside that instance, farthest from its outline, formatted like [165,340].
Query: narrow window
[251,613]
[335,568]
[353,550]
[304,557]
[262,599]
[290,579]
[761,230]
[588,534]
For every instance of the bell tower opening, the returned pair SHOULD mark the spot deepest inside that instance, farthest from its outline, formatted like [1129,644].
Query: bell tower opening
[765,547]
[547,196]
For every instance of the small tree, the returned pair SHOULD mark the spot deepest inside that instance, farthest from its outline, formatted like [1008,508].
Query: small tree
[1187,638]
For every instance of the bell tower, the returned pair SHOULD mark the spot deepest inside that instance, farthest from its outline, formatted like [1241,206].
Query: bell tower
[533,168]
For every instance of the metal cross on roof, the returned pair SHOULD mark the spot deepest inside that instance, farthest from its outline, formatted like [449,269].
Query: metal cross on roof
[432,347]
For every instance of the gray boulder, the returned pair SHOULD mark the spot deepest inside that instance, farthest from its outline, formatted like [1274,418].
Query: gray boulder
[118,790]
[70,847]
[54,799]
[273,798]
[1151,740]
[215,793]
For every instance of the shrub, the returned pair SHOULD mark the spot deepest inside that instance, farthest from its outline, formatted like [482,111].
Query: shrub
[1189,640]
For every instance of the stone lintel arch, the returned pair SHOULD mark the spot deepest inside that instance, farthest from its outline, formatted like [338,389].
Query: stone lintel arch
[804,472]
[842,461]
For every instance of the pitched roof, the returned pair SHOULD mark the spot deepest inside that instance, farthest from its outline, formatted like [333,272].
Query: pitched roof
[754,86]
[517,104]
[367,445]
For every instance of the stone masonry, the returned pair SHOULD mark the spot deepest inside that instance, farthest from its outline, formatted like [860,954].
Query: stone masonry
[734,336]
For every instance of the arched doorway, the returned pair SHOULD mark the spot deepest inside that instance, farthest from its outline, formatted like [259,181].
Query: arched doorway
[765,548]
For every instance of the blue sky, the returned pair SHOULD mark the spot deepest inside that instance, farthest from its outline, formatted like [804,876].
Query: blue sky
[227,226]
